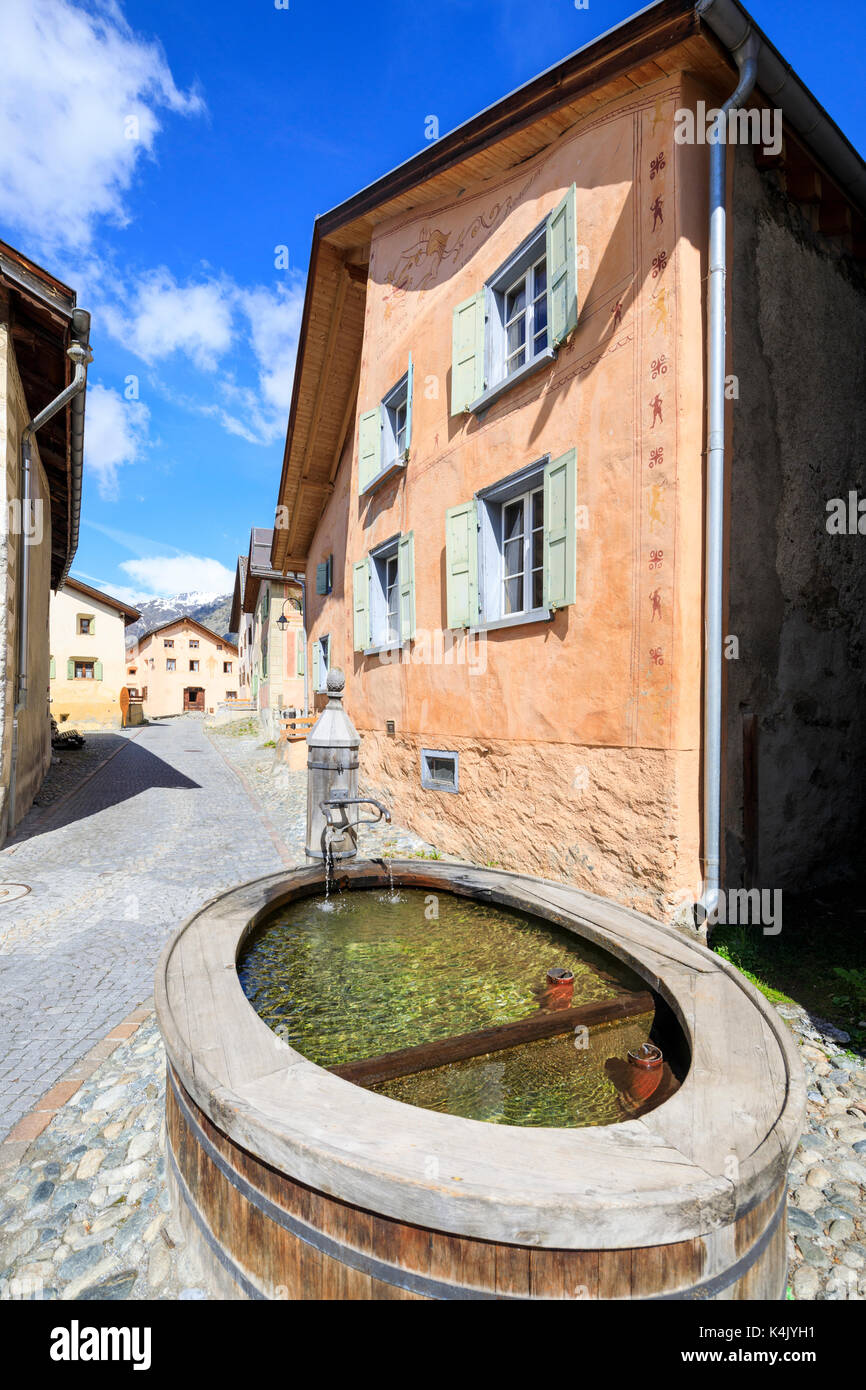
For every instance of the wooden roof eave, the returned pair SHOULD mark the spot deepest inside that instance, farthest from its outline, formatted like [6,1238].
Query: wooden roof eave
[334,314]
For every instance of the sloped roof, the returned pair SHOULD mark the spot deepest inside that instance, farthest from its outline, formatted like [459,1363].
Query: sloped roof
[178,622]
[131,615]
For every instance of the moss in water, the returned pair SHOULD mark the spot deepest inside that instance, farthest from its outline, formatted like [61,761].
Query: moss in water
[378,972]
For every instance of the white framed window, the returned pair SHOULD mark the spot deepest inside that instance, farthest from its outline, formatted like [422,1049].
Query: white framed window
[440,770]
[321,662]
[395,423]
[385,435]
[511,551]
[514,323]
[511,542]
[517,332]
[384,595]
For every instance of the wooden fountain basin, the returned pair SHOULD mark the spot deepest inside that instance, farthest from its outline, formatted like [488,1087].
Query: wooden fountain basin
[291,1182]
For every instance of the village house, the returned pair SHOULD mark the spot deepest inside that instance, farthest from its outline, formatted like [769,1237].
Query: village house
[182,666]
[88,667]
[536,464]
[43,374]
[267,615]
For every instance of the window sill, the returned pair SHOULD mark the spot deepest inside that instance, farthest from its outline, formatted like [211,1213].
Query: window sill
[389,471]
[386,647]
[494,392]
[535,615]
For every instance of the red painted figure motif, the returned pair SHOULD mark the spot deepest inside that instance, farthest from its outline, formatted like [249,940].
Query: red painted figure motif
[656,406]
[656,210]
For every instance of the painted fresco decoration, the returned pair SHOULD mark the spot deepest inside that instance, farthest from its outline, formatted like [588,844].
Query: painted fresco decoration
[616,313]
[653,686]
[417,266]
[659,308]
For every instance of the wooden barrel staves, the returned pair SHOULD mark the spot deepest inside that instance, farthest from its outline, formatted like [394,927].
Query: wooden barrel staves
[292,1182]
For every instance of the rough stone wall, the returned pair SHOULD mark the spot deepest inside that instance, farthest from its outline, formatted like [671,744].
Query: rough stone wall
[797,593]
[603,818]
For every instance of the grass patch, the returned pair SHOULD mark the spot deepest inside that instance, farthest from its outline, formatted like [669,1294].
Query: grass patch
[818,960]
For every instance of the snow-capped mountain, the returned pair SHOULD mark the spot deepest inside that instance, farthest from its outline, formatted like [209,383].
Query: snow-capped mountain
[211,610]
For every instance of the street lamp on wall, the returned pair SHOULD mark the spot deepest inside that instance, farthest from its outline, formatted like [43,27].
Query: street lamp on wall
[282,620]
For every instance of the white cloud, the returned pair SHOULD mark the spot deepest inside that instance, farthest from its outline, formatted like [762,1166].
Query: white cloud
[161,317]
[210,321]
[115,433]
[275,324]
[164,576]
[77,83]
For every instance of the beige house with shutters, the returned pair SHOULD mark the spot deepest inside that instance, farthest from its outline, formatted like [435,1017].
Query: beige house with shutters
[88,655]
[498,451]
[182,667]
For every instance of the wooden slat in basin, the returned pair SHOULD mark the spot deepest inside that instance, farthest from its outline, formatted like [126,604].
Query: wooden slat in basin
[369,1071]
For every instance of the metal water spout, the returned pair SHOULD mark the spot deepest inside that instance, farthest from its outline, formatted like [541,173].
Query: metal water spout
[332,780]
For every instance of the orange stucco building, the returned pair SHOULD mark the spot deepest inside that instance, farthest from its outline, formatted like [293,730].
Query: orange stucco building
[497,449]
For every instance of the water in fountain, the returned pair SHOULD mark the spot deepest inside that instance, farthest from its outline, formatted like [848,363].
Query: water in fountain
[327,905]
[392,895]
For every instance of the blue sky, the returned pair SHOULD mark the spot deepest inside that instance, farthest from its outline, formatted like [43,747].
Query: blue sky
[156,154]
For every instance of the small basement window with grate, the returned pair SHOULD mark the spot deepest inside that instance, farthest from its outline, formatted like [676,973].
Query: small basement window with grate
[439,770]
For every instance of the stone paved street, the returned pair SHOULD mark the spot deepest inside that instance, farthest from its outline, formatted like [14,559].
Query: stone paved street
[115,869]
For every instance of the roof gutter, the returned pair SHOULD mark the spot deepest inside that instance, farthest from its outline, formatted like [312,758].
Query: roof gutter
[80,338]
[731,24]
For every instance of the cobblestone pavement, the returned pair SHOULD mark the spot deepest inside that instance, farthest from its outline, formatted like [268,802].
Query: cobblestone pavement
[162,828]
[827,1178]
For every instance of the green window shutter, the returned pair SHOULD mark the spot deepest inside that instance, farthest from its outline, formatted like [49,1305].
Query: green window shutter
[323,577]
[70,670]
[53,672]
[97,670]
[461,561]
[406,573]
[301,654]
[369,447]
[562,268]
[467,353]
[264,665]
[560,531]
[409,386]
[361,600]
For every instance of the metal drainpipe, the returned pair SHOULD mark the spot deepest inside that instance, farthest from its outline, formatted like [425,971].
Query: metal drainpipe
[746,58]
[81,355]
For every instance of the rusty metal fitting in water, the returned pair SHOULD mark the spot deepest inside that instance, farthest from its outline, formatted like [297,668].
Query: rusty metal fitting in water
[560,988]
[648,1057]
